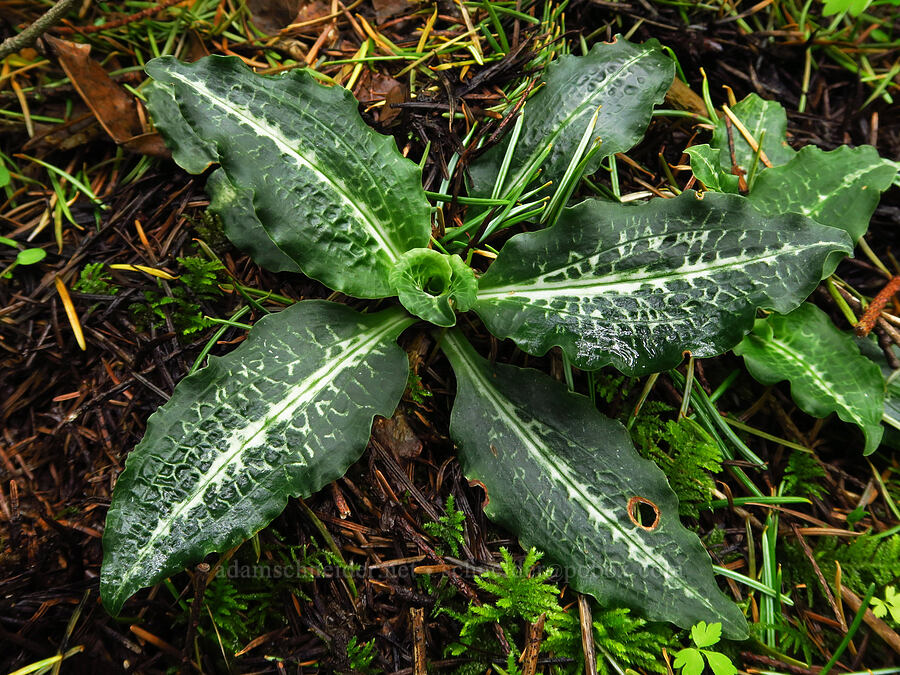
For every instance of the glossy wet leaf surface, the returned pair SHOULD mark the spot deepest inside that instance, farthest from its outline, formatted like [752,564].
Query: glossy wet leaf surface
[297,189]
[824,366]
[636,286]
[568,481]
[282,415]
[624,80]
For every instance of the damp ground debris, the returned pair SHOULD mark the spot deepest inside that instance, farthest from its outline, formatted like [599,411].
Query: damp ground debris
[115,281]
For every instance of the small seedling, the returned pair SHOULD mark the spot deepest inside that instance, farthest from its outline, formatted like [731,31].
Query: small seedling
[691,659]
[522,594]
[417,391]
[26,256]
[95,279]
[198,283]
[448,529]
[360,656]
[890,605]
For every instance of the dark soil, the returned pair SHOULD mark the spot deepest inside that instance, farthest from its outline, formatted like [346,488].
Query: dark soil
[69,417]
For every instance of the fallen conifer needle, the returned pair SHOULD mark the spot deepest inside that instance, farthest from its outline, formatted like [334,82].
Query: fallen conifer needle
[70,312]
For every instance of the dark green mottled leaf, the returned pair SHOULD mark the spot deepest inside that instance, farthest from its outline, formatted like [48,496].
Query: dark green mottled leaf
[282,415]
[840,188]
[568,481]
[303,183]
[637,285]
[433,285]
[824,366]
[869,348]
[623,79]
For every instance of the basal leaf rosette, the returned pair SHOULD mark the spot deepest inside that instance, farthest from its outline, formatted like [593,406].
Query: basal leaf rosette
[432,285]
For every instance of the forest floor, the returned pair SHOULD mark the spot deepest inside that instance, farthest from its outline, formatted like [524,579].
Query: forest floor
[88,351]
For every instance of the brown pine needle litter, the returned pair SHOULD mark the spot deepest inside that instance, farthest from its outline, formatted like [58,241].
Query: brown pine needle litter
[424,73]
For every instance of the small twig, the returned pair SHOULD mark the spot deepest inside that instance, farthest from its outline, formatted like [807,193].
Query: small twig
[887,347]
[892,332]
[534,635]
[735,169]
[731,117]
[587,635]
[884,631]
[828,594]
[118,23]
[201,578]
[417,615]
[30,35]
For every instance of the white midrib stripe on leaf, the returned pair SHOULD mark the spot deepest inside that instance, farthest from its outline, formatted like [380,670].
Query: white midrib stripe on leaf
[536,289]
[528,166]
[284,144]
[821,201]
[354,351]
[818,380]
[561,473]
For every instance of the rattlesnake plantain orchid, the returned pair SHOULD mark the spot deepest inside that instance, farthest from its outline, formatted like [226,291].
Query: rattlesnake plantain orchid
[302,184]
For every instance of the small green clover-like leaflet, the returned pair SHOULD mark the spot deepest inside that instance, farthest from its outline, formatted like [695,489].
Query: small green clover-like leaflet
[567,480]
[282,415]
[690,659]
[706,634]
[636,286]
[890,605]
[622,79]
[297,189]
[432,285]
[824,366]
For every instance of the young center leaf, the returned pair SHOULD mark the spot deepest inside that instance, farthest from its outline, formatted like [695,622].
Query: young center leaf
[303,183]
[567,480]
[636,286]
[824,366]
[622,79]
[282,415]
[432,285]
[705,166]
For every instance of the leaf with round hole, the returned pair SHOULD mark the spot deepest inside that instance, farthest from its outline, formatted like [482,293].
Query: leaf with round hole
[568,481]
